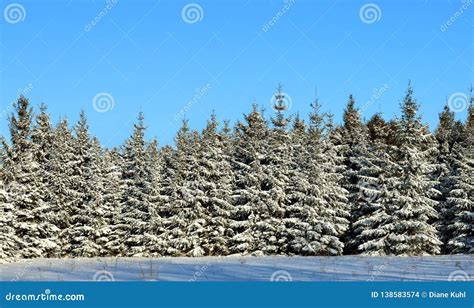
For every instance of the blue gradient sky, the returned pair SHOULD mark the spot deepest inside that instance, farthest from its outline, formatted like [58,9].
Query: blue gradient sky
[148,58]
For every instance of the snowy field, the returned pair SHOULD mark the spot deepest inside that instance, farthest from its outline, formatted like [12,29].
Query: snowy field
[346,268]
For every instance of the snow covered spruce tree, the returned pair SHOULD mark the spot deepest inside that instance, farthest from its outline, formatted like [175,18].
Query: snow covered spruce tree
[299,217]
[369,229]
[85,179]
[63,193]
[42,138]
[137,196]
[184,217]
[352,133]
[354,136]
[449,134]
[23,176]
[336,216]
[9,241]
[213,166]
[167,192]
[250,191]
[109,236]
[412,211]
[309,217]
[457,214]
[277,170]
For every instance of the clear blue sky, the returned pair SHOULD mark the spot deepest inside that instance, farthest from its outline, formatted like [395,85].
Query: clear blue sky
[146,56]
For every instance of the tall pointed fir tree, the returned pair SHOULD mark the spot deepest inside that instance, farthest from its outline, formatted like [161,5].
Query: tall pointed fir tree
[184,217]
[86,185]
[308,218]
[446,137]
[137,196]
[154,162]
[412,210]
[26,188]
[162,228]
[354,141]
[279,151]
[369,229]
[42,138]
[298,217]
[458,214]
[109,235]
[250,191]
[216,179]
[63,192]
[334,192]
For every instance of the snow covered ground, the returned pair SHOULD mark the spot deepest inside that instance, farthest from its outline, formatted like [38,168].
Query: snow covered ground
[346,268]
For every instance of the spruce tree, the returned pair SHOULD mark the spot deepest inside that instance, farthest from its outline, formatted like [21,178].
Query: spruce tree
[111,236]
[86,186]
[412,210]
[369,232]
[299,218]
[354,141]
[42,139]
[277,170]
[185,219]
[334,192]
[138,194]
[215,172]
[458,212]
[10,243]
[25,187]
[250,191]
[63,193]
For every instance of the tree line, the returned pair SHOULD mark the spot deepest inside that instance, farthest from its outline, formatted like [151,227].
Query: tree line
[277,186]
